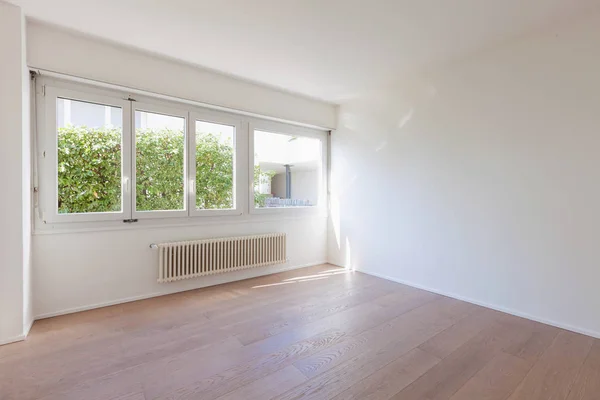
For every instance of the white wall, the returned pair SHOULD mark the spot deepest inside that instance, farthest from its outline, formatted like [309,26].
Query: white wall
[26,183]
[482,180]
[75,270]
[15,229]
[80,270]
[65,52]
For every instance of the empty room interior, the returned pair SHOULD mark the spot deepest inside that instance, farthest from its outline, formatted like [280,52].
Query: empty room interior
[300,199]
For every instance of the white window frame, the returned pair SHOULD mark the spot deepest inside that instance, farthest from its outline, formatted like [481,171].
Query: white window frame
[167,111]
[286,129]
[221,119]
[50,159]
[48,89]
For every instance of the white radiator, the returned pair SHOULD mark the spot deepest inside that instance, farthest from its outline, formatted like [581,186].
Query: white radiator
[184,260]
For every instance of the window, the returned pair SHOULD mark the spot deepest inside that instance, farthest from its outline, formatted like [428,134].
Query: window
[213,164]
[88,155]
[287,170]
[159,162]
[108,157]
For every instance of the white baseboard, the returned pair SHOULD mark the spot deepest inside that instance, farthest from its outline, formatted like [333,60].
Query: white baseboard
[29,327]
[100,305]
[18,338]
[510,311]
[157,294]
[12,340]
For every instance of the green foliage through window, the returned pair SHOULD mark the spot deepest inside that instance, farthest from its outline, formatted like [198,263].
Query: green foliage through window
[261,177]
[214,172]
[89,170]
[159,163]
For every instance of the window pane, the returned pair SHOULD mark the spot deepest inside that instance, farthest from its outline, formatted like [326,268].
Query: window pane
[89,138]
[286,170]
[159,162]
[214,166]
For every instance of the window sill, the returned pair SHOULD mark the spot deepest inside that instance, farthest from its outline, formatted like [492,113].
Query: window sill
[181,222]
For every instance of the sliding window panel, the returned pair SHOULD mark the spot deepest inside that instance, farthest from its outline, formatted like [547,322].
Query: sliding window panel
[86,161]
[159,161]
[213,164]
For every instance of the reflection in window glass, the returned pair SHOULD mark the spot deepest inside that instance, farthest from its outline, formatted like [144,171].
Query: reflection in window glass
[214,166]
[286,170]
[89,140]
[159,162]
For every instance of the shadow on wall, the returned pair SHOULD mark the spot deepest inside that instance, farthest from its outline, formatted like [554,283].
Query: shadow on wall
[370,123]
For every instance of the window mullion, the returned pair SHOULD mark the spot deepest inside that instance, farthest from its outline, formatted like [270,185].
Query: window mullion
[191,164]
[130,149]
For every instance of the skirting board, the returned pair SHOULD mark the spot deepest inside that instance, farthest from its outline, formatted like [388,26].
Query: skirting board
[18,338]
[158,294]
[13,340]
[516,313]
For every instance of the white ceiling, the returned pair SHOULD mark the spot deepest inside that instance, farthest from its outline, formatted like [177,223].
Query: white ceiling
[327,49]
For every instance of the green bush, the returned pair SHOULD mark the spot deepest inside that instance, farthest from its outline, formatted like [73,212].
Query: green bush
[89,170]
[214,173]
[159,170]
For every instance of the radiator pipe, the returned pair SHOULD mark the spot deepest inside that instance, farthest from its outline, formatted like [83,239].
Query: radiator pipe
[153,246]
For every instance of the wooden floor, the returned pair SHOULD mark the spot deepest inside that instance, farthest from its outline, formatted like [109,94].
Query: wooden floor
[314,333]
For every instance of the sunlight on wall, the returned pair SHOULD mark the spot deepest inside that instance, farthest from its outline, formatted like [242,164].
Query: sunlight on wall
[366,143]
[348,260]
[334,212]
[404,120]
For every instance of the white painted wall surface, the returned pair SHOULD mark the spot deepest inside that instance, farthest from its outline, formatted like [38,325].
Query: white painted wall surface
[81,270]
[482,181]
[26,183]
[61,51]
[15,231]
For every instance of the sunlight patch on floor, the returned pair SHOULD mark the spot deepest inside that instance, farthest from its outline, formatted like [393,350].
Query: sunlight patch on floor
[313,279]
[271,284]
[316,275]
[307,278]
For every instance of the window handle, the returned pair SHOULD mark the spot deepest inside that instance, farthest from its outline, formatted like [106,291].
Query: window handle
[126,183]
